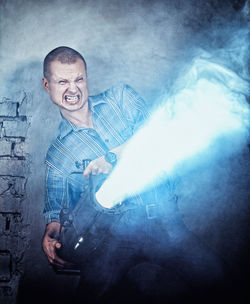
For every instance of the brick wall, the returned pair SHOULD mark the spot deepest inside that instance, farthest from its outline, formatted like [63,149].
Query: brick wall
[14,170]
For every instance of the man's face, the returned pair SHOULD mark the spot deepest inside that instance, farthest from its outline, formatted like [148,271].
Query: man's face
[67,85]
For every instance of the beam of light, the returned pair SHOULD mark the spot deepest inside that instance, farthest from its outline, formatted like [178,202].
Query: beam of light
[212,104]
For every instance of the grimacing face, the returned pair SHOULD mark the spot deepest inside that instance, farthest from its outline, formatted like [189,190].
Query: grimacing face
[67,85]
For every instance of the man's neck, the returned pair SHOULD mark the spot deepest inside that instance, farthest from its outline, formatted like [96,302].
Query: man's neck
[80,118]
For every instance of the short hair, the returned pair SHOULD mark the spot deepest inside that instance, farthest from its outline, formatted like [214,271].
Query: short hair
[63,54]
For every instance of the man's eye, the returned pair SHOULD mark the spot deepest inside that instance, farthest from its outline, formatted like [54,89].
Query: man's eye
[62,82]
[80,79]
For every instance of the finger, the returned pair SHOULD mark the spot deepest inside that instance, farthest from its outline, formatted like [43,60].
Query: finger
[87,171]
[50,249]
[47,249]
[95,171]
[55,260]
[60,262]
[60,267]
[54,263]
[92,168]
[58,245]
[107,169]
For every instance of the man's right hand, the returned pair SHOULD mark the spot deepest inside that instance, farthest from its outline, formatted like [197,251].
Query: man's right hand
[51,245]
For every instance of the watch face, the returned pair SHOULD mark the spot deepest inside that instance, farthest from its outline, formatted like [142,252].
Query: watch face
[111,158]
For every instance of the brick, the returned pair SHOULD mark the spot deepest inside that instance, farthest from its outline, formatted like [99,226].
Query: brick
[18,189]
[15,140]
[13,244]
[10,223]
[15,224]
[6,291]
[5,266]
[23,103]
[9,203]
[10,185]
[1,131]
[13,167]
[3,239]
[19,148]
[5,147]
[2,222]
[15,128]
[4,185]
[18,96]
[8,108]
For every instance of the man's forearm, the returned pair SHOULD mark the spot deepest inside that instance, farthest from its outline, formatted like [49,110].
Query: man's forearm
[118,150]
[100,165]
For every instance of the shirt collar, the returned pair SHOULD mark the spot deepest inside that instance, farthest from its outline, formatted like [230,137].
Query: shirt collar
[66,126]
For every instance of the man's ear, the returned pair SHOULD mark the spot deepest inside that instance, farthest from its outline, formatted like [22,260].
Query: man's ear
[45,84]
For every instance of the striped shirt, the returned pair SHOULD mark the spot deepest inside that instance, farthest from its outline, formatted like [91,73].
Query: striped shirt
[117,114]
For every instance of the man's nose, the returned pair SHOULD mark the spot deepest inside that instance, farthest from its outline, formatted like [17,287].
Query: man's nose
[72,88]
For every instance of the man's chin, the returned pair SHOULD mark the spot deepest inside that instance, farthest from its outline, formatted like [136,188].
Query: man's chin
[72,107]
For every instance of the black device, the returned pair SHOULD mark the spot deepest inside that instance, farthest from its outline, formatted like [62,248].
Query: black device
[86,228]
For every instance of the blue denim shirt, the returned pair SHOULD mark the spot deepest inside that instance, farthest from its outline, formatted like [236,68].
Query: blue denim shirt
[117,114]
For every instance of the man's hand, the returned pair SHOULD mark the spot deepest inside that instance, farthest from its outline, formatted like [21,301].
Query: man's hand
[50,245]
[98,166]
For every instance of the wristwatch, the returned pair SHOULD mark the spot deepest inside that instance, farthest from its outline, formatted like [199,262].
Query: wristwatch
[111,158]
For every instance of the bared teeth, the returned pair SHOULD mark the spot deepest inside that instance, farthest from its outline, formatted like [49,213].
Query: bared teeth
[71,98]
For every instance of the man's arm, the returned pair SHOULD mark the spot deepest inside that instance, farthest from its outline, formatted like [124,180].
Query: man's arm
[133,107]
[100,165]
[55,195]
[135,111]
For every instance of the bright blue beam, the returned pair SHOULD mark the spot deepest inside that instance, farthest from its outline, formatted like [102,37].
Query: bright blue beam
[211,104]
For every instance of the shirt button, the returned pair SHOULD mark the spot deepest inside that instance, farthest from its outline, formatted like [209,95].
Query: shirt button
[106,140]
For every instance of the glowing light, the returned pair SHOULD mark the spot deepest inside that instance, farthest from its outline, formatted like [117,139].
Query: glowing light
[186,124]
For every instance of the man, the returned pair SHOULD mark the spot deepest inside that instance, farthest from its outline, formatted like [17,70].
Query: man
[65,79]
[97,128]
[91,128]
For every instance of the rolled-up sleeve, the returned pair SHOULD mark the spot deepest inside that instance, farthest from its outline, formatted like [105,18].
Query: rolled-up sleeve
[132,106]
[55,195]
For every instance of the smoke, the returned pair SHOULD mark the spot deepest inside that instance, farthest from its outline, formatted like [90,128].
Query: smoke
[137,42]
[197,135]
[225,66]
[210,104]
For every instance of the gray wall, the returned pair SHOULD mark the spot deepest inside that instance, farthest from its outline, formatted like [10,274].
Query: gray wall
[142,43]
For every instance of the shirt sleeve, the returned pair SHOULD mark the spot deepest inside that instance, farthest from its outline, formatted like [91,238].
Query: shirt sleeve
[55,195]
[133,106]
